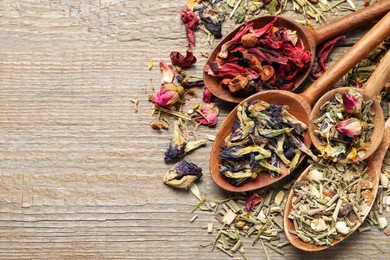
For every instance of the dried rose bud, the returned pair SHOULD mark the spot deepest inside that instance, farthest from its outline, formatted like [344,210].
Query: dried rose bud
[208,115]
[350,127]
[182,175]
[352,104]
[178,59]
[168,95]
[249,40]
[168,73]
[238,83]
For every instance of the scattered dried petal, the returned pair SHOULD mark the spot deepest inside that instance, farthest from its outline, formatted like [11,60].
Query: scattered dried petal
[190,21]
[178,59]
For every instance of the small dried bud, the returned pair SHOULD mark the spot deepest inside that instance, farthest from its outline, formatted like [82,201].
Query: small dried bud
[368,196]
[267,73]
[350,127]
[225,82]
[238,83]
[159,125]
[249,40]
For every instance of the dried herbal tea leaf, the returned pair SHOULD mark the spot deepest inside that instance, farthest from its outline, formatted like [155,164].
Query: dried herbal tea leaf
[150,64]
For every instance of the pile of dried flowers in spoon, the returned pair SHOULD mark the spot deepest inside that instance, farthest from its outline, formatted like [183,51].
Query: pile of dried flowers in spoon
[259,59]
[263,137]
[345,126]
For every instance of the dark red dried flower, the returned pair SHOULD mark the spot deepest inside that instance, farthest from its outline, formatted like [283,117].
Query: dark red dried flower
[178,59]
[322,56]
[190,21]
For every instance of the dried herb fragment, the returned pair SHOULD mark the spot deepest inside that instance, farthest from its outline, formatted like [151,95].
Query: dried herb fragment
[168,73]
[327,203]
[345,126]
[206,114]
[323,54]
[182,175]
[263,137]
[206,95]
[180,145]
[191,21]
[178,59]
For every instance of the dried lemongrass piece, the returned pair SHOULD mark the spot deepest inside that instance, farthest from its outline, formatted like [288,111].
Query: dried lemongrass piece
[279,197]
[382,222]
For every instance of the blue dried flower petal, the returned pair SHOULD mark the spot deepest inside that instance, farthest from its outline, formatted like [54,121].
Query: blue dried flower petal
[174,152]
[289,153]
[231,153]
[184,168]
[254,164]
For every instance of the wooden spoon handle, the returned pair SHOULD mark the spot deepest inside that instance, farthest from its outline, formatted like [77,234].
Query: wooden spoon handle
[353,20]
[357,52]
[378,78]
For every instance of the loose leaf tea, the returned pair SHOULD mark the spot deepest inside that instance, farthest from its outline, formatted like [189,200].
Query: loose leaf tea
[257,59]
[329,202]
[263,137]
[255,216]
[345,126]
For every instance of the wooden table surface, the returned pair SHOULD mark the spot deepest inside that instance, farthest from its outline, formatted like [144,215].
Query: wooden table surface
[80,170]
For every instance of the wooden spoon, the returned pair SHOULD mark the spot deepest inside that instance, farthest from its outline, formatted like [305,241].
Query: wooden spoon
[310,39]
[373,86]
[298,104]
[374,164]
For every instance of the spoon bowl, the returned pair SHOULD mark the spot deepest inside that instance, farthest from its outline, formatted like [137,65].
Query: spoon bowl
[310,40]
[369,91]
[299,105]
[374,165]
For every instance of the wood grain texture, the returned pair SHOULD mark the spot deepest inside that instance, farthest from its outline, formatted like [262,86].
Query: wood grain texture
[80,171]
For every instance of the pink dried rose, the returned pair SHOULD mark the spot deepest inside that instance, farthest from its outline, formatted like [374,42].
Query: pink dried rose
[206,95]
[351,127]
[207,114]
[352,104]
[168,95]
[167,72]
[190,21]
[178,59]
[252,201]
